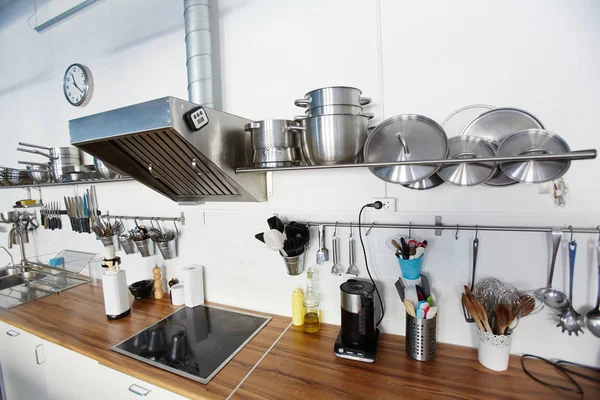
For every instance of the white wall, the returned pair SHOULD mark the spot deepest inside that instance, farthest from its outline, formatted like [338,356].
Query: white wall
[411,57]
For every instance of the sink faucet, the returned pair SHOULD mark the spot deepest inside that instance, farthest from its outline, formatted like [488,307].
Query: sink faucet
[12,261]
[11,236]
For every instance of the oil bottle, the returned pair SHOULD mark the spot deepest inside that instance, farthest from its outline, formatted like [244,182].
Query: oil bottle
[312,314]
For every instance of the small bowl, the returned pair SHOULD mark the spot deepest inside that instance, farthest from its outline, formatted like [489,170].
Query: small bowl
[142,289]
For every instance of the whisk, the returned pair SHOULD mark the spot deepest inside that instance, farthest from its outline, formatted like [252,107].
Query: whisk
[491,292]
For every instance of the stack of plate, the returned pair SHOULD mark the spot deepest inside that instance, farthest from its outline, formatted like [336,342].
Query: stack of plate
[13,176]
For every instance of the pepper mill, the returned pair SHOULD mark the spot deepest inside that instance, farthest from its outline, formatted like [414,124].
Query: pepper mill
[158,290]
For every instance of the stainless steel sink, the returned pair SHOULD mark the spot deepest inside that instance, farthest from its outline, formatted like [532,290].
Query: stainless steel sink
[11,281]
[9,272]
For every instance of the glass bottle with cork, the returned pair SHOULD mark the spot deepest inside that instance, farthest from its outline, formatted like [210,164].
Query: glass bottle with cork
[311,301]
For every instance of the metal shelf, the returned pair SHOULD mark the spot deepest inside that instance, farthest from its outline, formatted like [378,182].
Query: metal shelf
[573,155]
[82,182]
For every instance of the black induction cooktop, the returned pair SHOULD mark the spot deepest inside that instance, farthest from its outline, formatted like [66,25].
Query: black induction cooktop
[194,342]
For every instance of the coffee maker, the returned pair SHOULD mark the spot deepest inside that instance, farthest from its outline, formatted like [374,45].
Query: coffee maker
[358,336]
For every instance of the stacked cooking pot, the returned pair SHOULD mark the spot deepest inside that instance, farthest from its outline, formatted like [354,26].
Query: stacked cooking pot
[334,126]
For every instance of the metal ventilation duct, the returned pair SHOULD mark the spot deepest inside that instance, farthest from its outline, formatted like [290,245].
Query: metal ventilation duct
[198,51]
[154,143]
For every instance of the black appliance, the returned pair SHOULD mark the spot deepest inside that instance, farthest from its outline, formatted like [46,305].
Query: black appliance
[358,336]
[194,342]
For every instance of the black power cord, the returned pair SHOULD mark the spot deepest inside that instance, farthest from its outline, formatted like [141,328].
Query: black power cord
[377,205]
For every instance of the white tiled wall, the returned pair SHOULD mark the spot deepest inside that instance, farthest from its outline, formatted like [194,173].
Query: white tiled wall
[429,58]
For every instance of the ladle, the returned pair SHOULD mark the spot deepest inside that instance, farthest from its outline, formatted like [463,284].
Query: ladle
[554,298]
[592,317]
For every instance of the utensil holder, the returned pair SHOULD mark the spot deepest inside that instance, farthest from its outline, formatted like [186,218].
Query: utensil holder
[168,249]
[494,350]
[411,269]
[110,241]
[421,337]
[294,265]
[127,244]
[145,246]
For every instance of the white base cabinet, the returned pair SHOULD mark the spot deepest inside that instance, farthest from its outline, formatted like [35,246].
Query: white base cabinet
[33,368]
[22,361]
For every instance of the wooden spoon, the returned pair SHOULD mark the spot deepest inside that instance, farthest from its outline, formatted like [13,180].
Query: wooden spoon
[472,310]
[482,313]
[504,317]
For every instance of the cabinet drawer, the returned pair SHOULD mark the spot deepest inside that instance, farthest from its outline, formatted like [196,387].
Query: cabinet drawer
[114,384]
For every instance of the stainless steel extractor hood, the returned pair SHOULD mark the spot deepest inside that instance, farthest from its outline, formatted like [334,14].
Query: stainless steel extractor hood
[184,151]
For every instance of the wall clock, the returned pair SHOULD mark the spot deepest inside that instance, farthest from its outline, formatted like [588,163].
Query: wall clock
[78,85]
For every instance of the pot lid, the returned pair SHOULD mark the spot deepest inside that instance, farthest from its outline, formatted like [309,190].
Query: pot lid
[534,141]
[402,138]
[467,147]
[456,122]
[428,183]
[496,125]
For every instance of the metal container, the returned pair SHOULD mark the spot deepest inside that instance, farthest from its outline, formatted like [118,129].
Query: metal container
[110,241]
[39,174]
[294,265]
[104,170]
[468,174]
[275,142]
[334,109]
[334,95]
[145,246]
[406,137]
[529,142]
[421,337]
[168,249]
[127,244]
[333,139]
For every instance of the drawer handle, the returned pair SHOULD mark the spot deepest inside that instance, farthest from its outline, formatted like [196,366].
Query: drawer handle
[39,355]
[140,391]
[12,333]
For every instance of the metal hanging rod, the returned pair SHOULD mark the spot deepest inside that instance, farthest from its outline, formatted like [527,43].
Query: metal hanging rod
[459,227]
[573,155]
[180,219]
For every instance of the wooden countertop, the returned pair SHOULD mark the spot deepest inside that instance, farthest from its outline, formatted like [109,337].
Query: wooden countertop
[303,366]
[75,319]
[299,366]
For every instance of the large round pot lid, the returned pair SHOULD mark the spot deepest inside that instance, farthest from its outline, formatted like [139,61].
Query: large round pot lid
[495,126]
[534,141]
[468,174]
[407,137]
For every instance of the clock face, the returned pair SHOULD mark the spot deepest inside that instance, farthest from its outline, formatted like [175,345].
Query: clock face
[77,84]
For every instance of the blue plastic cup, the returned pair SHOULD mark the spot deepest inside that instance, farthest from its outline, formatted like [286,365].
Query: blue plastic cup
[411,269]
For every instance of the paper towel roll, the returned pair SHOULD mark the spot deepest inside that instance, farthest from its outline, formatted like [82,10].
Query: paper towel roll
[193,287]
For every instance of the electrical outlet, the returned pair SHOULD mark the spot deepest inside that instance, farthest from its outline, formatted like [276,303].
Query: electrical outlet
[389,203]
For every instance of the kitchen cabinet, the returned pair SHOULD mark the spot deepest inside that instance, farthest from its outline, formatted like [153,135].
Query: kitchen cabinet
[23,364]
[69,375]
[112,384]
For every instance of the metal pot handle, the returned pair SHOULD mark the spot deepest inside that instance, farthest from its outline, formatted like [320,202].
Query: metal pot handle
[251,125]
[365,100]
[35,146]
[302,103]
[300,117]
[34,163]
[296,128]
[368,115]
[36,152]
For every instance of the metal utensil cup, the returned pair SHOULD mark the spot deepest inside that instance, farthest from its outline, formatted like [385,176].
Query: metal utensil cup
[168,249]
[127,244]
[145,247]
[294,265]
[421,337]
[110,241]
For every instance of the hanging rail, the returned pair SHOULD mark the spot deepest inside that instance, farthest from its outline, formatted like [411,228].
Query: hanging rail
[573,155]
[459,227]
[180,219]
